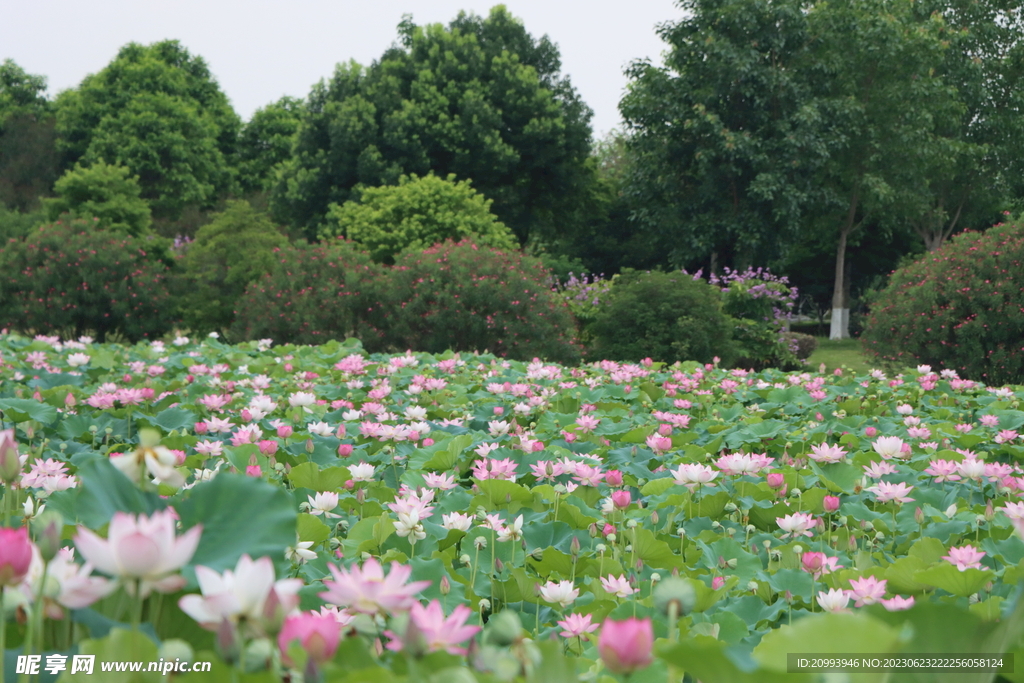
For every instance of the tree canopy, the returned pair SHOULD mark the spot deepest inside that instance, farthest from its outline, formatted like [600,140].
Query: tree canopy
[158,111]
[103,192]
[480,98]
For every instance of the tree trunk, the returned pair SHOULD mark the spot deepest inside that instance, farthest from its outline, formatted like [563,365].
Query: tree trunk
[840,327]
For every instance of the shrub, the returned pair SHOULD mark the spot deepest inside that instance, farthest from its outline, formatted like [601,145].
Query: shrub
[104,192]
[234,249]
[960,307]
[415,214]
[70,276]
[584,295]
[802,345]
[466,298]
[664,316]
[760,302]
[314,293]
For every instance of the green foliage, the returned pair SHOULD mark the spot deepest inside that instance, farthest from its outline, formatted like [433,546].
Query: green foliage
[760,303]
[466,298]
[16,224]
[415,214]
[233,250]
[313,294]
[28,155]
[961,307]
[70,276]
[101,191]
[266,141]
[664,316]
[157,110]
[480,98]
[720,137]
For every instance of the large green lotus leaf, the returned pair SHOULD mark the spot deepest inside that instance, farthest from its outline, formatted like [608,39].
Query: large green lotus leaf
[240,515]
[311,476]
[829,633]
[23,409]
[119,645]
[708,660]
[950,579]
[102,491]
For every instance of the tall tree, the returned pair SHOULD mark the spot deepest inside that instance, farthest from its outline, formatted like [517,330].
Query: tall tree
[480,98]
[266,141]
[28,158]
[158,111]
[874,72]
[722,136]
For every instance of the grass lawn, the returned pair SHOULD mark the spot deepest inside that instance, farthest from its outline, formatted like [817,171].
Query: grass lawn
[838,353]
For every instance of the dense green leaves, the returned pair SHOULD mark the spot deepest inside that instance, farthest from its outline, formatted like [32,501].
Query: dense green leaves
[480,99]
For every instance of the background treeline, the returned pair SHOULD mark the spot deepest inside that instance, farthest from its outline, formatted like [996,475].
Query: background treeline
[829,141]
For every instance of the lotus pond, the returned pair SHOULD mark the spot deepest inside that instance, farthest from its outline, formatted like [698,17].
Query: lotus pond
[320,514]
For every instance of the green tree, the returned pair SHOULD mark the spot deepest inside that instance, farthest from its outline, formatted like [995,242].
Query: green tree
[28,157]
[721,136]
[874,70]
[157,110]
[480,98]
[234,249]
[107,193]
[417,213]
[266,141]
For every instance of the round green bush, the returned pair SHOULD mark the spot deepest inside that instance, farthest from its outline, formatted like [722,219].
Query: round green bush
[415,214]
[313,294]
[663,316]
[960,307]
[72,278]
[463,297]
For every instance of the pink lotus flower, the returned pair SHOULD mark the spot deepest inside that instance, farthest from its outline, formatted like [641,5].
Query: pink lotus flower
[240,595]
[797,524]
[898,603]
[830,503]
[888,447]
[867,590]
[966,557]
[317,634]
[836,600]
[617,586]
[561,592]
[816,564]
[143,549]
[575,625]
[824,453]
[625,646]
[622,499]
[15,556]
[886,492]
[367,590]
[433,632]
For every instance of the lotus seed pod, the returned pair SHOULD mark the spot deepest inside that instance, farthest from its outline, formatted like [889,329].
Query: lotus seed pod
[674,590]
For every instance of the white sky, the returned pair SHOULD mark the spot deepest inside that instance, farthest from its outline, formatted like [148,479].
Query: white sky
[260,50]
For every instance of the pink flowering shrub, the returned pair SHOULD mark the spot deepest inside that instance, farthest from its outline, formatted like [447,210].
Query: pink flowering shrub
[314,293]
[960,308]
[467,298]
[72,277]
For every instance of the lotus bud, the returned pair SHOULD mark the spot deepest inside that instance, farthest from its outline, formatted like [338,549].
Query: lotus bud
[574,546]
[309,445]
[10,462]
[830,503]
[49,530]
[446,585]
[226,642]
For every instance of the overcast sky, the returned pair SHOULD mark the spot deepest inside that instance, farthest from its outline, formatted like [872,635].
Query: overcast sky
[260,50]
